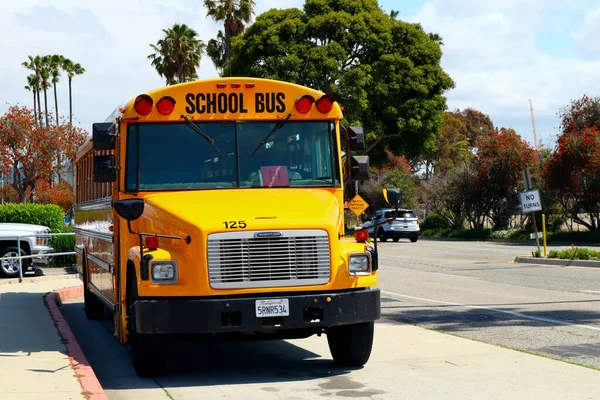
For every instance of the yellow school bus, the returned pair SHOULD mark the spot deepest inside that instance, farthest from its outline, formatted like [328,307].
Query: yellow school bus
[215,209]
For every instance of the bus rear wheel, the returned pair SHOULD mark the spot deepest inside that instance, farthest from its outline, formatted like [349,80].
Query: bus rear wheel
[92,305]
[148,352]
[351,345]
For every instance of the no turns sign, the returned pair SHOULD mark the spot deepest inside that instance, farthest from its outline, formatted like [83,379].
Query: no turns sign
[530,201]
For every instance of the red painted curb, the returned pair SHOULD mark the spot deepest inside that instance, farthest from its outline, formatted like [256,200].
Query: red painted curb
[92,390]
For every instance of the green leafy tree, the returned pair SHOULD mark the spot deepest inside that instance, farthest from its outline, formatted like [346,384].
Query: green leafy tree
[177,55]
[72,69]
[234,15]
[478,125]
[450,148]
[385,72]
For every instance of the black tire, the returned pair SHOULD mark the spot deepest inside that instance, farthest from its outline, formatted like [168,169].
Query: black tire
[381,235]
[351,345]
[93,306]
[10,268]
[395,239]
[414,239]
[148,352]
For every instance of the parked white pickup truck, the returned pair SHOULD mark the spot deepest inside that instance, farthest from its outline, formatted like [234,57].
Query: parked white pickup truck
[32,245]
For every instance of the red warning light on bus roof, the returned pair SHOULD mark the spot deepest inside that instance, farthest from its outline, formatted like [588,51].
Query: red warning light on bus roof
[143,104]
[325,103]
[165,105]
[304,103]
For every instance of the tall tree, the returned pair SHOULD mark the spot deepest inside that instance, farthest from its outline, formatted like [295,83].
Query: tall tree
[56,62]
[34,65]
[478,125]
[450,149]
[72,69]
[234,14]
[33,84]
[385,72]
[45,69]
[177,55]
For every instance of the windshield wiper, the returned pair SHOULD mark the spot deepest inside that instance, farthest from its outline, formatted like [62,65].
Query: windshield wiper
[199,131]
[275,129]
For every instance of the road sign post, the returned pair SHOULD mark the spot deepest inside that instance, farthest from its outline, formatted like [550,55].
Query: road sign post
[357,205]
[530,203]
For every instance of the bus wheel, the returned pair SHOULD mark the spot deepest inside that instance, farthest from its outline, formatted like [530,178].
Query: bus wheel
[148,352]
[93,306]
[350,345]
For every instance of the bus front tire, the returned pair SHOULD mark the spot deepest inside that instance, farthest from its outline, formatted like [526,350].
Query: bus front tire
[351,345]
[148,352]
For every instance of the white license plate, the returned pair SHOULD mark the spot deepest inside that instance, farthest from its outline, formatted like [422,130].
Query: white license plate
[272,308]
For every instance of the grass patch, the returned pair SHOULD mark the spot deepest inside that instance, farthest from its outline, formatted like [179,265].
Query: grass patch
[575,253]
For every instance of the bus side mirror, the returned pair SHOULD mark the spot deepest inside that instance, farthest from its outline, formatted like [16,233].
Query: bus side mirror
[105,169]
[129,209]
[103,136]
[393,196]
[359,168]
[356,136]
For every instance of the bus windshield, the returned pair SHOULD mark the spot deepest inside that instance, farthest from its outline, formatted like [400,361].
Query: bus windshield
[174,156]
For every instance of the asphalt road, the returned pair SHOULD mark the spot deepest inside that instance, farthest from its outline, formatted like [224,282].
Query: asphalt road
[468,289]
[474,290]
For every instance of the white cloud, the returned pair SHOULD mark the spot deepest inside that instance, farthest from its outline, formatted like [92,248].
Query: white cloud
[110,39]
[491,50]
[586,37]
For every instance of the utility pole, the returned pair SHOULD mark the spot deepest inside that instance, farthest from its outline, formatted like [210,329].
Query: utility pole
[535,142]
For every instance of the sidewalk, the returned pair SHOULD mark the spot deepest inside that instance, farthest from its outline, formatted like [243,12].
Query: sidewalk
[32,357]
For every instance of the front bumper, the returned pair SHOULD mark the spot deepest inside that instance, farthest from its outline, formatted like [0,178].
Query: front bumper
[237,314]
[40,258]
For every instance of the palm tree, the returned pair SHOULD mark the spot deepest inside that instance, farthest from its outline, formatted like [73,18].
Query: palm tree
[234,14]
[44,70]
[177,55]
[34,64]
[56,62]
[216,50]
[33,84]
[71,69]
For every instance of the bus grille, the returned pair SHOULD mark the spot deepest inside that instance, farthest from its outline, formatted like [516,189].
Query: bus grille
[247,260]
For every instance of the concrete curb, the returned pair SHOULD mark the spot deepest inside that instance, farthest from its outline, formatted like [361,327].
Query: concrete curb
[92,390]
[558,262]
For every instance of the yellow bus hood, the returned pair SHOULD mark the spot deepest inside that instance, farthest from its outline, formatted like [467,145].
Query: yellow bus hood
[245,209]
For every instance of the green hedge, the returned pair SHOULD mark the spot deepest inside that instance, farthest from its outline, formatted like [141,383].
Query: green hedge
[48,215]
[434,221]
[62,244]
[516,234]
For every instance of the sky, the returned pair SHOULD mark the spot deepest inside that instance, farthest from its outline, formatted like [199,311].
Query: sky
[500,53]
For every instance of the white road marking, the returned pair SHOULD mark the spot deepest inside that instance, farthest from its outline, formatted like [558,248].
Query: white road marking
[514,313]
[591,291]
[456,276]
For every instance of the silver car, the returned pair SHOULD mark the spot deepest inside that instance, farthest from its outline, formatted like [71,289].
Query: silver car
[406,225]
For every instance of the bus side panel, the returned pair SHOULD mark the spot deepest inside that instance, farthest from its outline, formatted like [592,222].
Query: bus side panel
[93,222]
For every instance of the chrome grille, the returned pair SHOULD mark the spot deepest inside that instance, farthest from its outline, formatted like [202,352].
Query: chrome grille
[241,260]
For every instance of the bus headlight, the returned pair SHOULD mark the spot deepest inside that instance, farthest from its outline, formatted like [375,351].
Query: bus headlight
[164,271]
[359,263]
